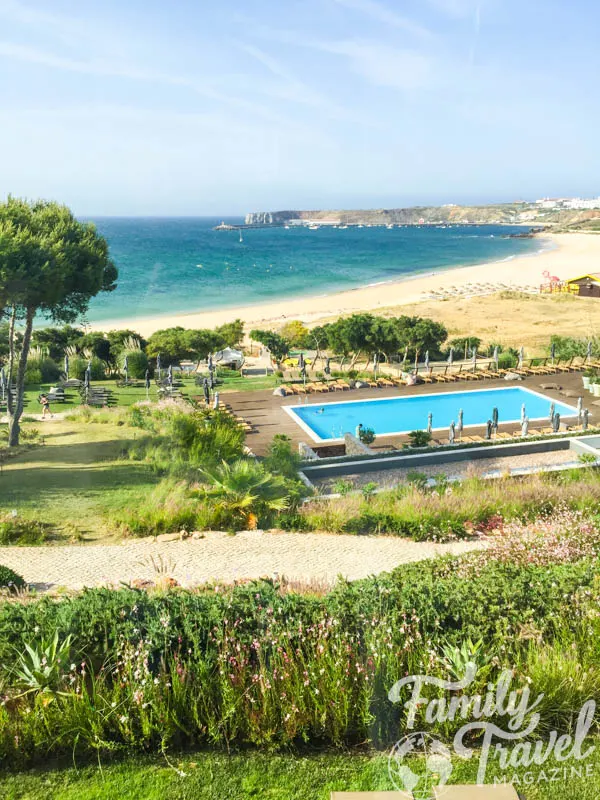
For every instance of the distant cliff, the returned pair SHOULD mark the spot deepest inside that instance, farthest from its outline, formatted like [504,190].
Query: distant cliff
[500,213]
[394,216]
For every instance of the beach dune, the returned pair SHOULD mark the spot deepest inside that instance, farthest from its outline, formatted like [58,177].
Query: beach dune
[570,255]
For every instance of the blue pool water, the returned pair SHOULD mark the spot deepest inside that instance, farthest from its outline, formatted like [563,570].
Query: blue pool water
[404,414]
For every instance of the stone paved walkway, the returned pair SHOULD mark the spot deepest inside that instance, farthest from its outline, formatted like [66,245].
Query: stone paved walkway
[217,556]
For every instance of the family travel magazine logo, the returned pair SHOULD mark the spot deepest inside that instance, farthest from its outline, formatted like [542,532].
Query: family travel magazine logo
[509,749]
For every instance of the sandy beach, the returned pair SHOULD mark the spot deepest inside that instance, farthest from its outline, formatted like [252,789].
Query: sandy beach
[571,255]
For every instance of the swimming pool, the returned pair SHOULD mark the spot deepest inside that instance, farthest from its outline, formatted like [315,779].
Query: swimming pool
[328,422]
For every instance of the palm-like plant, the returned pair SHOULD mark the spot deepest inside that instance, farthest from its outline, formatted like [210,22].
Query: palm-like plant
[245,493]
[42,666]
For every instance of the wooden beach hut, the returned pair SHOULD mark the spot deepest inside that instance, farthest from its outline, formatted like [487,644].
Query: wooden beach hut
[585,285]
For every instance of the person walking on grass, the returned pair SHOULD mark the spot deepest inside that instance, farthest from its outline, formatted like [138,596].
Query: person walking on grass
[45,403]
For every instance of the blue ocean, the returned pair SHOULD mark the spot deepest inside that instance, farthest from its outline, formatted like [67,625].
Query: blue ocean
[170,265]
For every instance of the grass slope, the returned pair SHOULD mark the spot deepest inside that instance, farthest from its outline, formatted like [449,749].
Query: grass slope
[257,777]
[77,477]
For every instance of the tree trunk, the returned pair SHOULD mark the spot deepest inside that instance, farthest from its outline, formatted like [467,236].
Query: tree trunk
[16,410]
[11,358]
[355,358]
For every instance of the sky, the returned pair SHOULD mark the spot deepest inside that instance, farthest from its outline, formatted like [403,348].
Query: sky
[197,107]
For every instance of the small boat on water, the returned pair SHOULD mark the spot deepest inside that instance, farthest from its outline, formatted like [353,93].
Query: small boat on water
[313,227]
[343,227]
[241,237]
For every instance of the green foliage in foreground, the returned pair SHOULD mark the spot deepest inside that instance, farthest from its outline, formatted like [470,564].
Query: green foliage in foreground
[255,665]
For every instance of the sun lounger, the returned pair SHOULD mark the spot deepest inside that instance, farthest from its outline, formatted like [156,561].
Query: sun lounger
[373,384]
[565,367]
[385,382]
[487,374]
[321,387]
[341,385]
[399,382]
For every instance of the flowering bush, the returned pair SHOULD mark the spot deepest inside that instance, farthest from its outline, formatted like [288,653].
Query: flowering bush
[256,665]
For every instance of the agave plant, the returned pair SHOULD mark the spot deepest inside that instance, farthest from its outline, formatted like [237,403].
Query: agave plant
[245,493]
[458,660]
[42,666]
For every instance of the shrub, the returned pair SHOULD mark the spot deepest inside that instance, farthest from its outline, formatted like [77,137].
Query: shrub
[33,376]
[137,363]
[15,530]
[255,665]
[367,435]
[10,579]
[419,438]
[507,361]
[41,370]
[78,366]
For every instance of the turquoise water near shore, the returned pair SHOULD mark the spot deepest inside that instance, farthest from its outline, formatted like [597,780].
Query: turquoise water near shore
[171,265]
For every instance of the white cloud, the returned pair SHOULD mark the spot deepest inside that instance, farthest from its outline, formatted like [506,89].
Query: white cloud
[383,65]
[382,13]
[455,8]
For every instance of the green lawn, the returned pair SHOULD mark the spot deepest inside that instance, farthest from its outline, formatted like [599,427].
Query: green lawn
[127,396]
[77,477]
[252,777]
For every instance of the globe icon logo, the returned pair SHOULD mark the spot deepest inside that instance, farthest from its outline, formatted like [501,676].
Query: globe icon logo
[437,762]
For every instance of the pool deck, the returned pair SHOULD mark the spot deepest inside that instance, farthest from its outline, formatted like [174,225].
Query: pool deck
[265,411]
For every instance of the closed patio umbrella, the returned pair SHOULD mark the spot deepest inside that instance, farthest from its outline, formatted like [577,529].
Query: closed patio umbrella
[211,380]
[147,380]
[210,363]
[66,365]
[429,423]
[87,376]
[521,357]
[460,424]
[495,418]
[158,365]
[553,351]
[126,369]
[488,429]
[525,426]
[216,400]
[170,375]
[2,384]
[556,422]
[589,351]
[301,361]
[474,359]
[375,363]
[523,414]
[450,355]
[427,359]
[579,409]
[452,433]
[495,356]
[586,419]
[206,391]
[552,411]
[327,369]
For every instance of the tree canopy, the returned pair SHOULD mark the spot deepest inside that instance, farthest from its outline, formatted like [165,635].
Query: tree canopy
[50,265]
